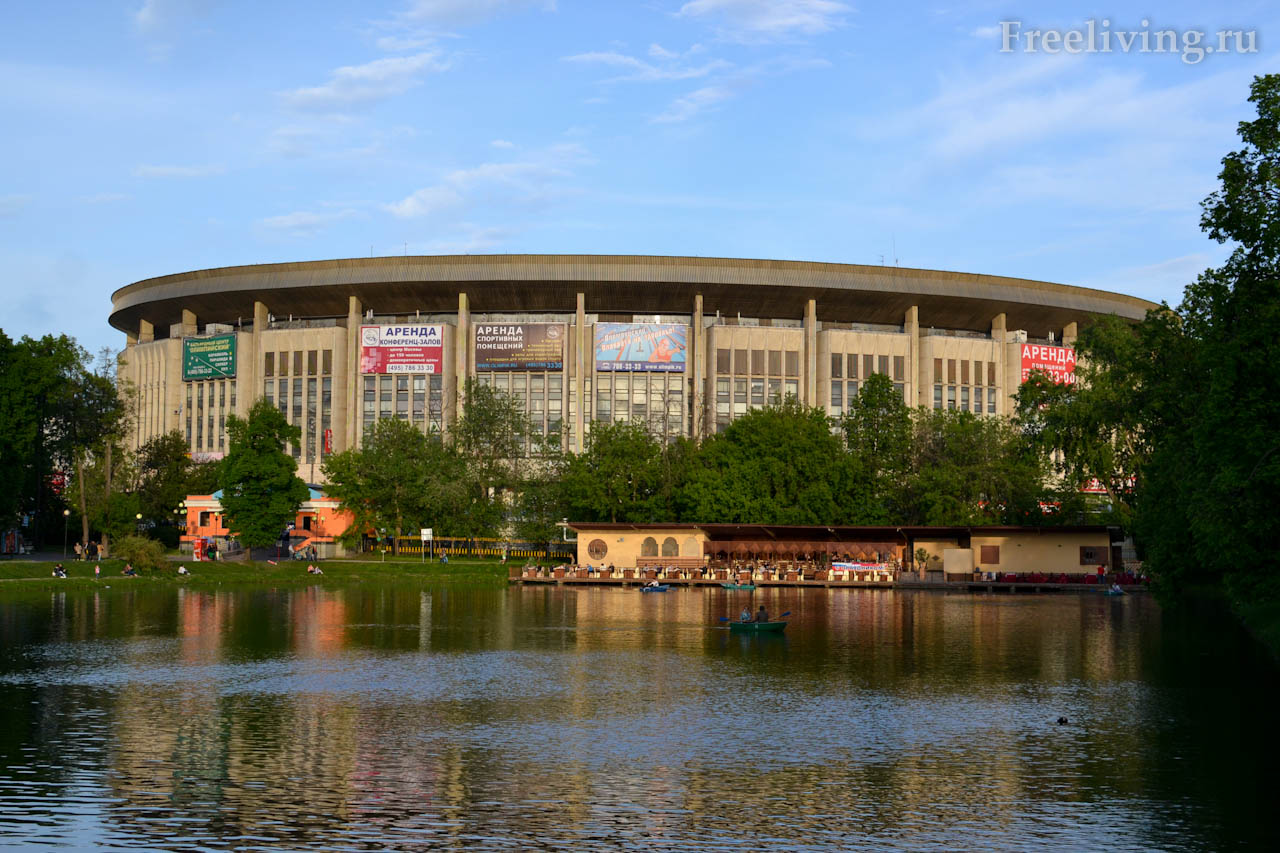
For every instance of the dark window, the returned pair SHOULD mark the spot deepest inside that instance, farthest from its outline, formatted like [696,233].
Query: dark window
[899,368]
[883,365]
[937,370]
[853,366]
[837,365]
[991,373]
[1091,555]
[964,372]
[269,365]
[326,362]
[868,366]
[775,362]
[722,361]
[311,363]
[297,363]
[740,362]
[282,363]
[597,549]
[793,362]
[951,370]
[990,555]
[757,362]
[649,547]
[937,396]
[670,548]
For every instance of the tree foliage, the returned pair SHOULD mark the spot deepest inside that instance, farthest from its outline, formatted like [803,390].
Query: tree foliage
[261,491]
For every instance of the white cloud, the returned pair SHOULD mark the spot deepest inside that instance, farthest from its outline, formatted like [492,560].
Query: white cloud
[12,205]
[768,20]
[178,171]
[985,32]
[640,71]
[462,12]
[356,85]
[690,105]
[474,238]
[657,51]
[397,44]
[502,143]
[1156,281]
[532,181]
[304,222]
[158,23]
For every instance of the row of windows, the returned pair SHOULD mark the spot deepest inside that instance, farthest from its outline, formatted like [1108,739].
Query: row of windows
[315,362]
[970,399]
[313,396]
[207,407]
[964,375]
[736,395]
[758,362]
[846,366]
[414,397]
[843,394]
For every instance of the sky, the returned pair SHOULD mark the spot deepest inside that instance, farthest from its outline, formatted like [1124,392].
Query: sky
[151,137]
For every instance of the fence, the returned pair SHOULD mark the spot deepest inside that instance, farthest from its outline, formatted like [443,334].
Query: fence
[515,550]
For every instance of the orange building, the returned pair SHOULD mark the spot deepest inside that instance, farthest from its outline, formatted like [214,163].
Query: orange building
[319,522]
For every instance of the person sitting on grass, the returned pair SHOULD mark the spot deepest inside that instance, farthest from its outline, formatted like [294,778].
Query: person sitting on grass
[182,570]
[59,572]
[314,570]
[128,571]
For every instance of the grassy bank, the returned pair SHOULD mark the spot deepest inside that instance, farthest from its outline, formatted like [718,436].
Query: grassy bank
[29,575]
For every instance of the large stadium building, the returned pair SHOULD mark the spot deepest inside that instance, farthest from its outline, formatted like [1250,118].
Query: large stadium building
[682,344]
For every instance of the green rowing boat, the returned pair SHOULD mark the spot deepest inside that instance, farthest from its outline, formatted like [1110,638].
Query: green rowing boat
[738,585]
[757,627]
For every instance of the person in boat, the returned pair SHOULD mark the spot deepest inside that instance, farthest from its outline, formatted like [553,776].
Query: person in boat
[653,583]
[762,615]
[1115,587]
[745,615]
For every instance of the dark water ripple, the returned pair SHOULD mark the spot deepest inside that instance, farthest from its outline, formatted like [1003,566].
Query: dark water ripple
[393,719]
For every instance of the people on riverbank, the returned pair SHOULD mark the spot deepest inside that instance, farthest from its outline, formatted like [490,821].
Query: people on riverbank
[59,571]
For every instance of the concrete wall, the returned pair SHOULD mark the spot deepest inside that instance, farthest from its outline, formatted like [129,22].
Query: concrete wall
[1047,551]
[623,547]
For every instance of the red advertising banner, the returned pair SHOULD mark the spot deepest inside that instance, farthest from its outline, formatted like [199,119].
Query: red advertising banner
[1058,362]
[402,349]
[328,441]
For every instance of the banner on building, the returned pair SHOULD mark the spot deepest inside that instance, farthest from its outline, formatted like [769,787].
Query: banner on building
[1058,362]
[628,347]
[209,358]
[402,349]
[520,346]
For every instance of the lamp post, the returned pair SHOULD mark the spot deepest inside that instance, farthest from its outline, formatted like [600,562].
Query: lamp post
[138,517]
[66,519]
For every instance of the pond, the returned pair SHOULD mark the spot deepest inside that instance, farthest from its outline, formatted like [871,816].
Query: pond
[404,717]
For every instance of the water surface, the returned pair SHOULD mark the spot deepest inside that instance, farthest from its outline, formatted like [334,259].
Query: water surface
[388,717]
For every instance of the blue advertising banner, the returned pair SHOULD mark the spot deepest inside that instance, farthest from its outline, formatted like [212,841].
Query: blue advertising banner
[641,347]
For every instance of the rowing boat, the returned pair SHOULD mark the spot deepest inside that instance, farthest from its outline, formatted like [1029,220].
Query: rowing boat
[660,588]
[757,627]
[738,585]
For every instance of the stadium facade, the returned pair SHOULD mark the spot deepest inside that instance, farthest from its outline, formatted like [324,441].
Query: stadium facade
[683,344]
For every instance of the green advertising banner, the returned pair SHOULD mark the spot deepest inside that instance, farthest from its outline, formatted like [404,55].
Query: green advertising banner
[209,358]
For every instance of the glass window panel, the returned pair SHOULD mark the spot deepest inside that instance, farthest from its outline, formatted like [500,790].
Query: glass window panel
[313,364]
[757,362]
[883,365]
[757,392]
[937,396]
[899,368]
[775,362]
[837,395]
[722,361]
[951,396]
[852,363]
[964,398]
[326,363]
[793,362]
[837,365]
[868,366]
[269,364]
[740,362]
[792,388]
[853,391]
[739,390]
[297,362]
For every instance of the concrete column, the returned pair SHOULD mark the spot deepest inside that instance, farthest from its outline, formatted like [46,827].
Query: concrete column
[1000,337]
[809,371]
[1070,332]
[130,339]
[348,433]
[146,332]
[189,325]
[697,366]
[911,328]
[581,372]
[461,345]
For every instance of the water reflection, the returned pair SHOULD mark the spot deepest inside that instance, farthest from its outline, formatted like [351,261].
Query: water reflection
[558,718]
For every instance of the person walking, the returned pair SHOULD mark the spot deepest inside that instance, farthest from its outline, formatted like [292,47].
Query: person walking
[79,551]
[97,570]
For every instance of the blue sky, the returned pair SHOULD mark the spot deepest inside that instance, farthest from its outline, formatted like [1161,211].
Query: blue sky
[158,136]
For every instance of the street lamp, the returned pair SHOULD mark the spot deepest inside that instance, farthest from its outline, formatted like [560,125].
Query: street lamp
[66,519]
[138,516]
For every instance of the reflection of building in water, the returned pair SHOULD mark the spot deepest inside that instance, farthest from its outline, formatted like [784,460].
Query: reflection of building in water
[319,619]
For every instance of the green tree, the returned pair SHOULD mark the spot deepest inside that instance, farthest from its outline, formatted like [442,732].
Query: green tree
[261,491]
[496,437]
[878,434]
[616,476]
[399,480]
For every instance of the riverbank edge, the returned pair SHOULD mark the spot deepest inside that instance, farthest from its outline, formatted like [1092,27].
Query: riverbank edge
[16,577]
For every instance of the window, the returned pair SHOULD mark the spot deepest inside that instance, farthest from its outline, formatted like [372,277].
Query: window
[937,370]
[722,389]
[312,362]
[297,362]
[740,362]
[775,392]
[739,390]
[757,392]
[977,399]
[649,547]
[883,365]
[989,555]
[964,372]
[991,402]
[670,548]
[937,396]
[775,362]
[326,363]
[851,361]
[792,388]
[951,396]
[837,395]
[1093,555]
[951,370]
[899,368]
[722,361]
[901,390]
[837,365]
[977,373]
[991,373]
[269,364]
[852,393]
[793,362]
[757,362]
[282,363]
[868,366]
[964,398]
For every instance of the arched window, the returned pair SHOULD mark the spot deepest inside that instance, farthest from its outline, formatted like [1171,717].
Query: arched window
[597,549]
[690,548]
[670,548]
[649,547]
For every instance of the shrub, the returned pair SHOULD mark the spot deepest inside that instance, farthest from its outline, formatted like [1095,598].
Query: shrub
[145,555]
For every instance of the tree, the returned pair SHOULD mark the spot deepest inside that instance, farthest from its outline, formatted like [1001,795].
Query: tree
[616,476]
[261,491]
[495,435]
[877,431]
[400,479]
